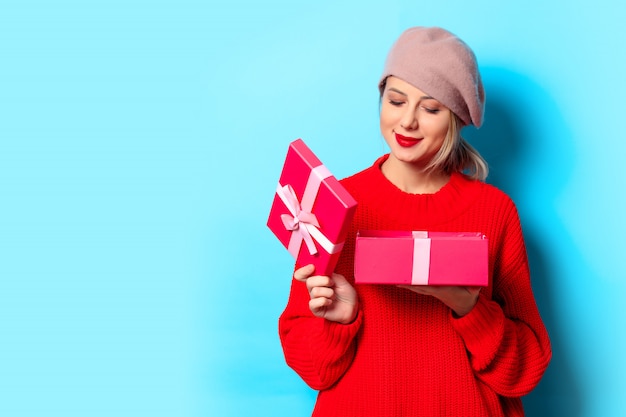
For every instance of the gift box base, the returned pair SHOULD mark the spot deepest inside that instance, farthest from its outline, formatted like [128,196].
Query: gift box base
[421,258]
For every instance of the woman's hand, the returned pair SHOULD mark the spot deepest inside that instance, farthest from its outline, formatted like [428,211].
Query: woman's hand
[460,299]
[332,298]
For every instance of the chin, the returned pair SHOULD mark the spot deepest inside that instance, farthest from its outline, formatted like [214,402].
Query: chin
[410,156]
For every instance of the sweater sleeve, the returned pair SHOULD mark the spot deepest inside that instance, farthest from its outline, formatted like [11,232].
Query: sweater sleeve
[320,351]
[507,342]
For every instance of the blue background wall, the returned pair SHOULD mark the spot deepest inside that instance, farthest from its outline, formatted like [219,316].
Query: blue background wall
[140,144]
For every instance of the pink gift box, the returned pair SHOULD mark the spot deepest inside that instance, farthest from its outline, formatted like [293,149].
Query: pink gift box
[421,258]
[311,210]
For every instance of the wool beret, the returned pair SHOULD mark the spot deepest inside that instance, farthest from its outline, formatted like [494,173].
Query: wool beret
[442,66]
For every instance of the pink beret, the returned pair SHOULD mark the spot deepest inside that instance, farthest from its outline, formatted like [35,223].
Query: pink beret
[442,66]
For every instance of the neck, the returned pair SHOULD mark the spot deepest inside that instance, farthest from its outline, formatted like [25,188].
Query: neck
[412,178]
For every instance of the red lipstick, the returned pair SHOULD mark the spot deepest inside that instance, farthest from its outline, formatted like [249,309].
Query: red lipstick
[406,141]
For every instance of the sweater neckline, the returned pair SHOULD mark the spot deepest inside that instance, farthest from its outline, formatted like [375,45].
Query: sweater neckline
[448,202]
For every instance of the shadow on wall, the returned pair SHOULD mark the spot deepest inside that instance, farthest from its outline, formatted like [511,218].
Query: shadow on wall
[520,146]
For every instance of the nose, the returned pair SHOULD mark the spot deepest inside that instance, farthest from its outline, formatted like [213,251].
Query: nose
[409,119]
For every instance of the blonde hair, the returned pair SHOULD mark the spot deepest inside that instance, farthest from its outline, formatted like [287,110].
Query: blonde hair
[457,155]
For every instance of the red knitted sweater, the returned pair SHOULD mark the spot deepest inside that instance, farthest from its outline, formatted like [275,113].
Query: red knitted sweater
[406,354]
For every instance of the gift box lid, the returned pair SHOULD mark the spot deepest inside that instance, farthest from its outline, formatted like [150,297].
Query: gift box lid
[311,210]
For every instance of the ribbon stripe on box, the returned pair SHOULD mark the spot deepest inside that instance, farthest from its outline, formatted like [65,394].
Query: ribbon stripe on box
[421,260]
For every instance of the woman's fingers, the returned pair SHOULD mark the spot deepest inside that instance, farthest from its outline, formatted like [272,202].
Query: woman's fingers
[319,286]
[318,304]
[319,281]
[302,274]
[317,292]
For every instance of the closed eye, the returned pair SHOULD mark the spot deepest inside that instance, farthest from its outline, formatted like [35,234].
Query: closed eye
[431,110]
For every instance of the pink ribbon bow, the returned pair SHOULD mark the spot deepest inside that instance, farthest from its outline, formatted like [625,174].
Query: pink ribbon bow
[302,221]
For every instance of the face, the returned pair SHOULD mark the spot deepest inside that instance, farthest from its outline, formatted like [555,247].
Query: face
[413,124]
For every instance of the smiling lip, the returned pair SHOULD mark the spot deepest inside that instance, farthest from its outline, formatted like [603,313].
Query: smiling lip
[406,141]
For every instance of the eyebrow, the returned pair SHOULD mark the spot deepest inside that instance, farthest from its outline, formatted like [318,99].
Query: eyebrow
[404,94]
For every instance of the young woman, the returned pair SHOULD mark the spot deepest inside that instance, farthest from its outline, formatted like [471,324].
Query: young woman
[383,350]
